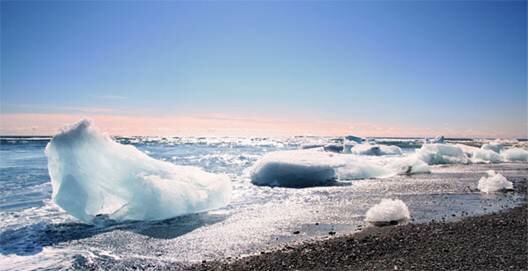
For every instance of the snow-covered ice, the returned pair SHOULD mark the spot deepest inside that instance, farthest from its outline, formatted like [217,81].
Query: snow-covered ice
[494,182]
[388,210]
[94,176]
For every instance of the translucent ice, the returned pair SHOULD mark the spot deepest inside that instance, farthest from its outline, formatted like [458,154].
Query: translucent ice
[494,182]
[93,176]
[295,169]
[388,210]
[515,154]
[441,154]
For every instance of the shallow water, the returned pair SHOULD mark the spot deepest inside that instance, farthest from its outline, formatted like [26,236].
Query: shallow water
[37,234]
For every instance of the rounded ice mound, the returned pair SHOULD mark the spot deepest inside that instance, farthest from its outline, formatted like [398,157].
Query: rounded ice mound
[375,149]
[515,154]
[295,169]
[494,182]
[441,154]
[388,212]
[485,156]
[94,176]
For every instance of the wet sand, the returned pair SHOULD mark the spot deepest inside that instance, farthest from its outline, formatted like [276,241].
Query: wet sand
[497,241]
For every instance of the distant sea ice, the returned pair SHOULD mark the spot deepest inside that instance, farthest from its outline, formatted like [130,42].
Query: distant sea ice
[94,176]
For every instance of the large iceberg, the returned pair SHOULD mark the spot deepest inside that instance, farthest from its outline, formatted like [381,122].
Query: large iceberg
[94,176]
[441,154]
[494,182]
[388,211]
[515,155]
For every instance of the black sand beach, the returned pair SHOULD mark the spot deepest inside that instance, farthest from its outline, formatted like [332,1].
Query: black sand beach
[490,242]
[497,241]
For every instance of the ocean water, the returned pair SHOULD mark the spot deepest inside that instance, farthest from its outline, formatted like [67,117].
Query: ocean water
[36,234]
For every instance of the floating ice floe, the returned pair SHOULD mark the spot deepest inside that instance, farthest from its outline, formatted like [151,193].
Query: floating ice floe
[93,176]
[494,182]
[515,155]
[305,168]
[352,138]
[375,149]
[485,156]
[388,212]
[441,154]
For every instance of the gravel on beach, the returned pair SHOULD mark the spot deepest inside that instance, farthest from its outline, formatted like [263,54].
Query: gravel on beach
[497,241]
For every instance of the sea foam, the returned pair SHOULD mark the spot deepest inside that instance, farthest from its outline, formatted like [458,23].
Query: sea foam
[94,176]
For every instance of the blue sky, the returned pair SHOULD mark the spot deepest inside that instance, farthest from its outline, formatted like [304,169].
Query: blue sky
[453,65]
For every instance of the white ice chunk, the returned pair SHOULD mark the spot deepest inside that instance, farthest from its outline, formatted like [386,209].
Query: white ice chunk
[495,146]
[93,175]
[305,168]
[485,156]
[375,149]
[387,211]
[494,182]
[515,154]
[441,154]
[468,150]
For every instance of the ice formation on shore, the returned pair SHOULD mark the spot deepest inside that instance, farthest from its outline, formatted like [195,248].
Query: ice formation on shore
[495,146]
[375,149]
[305,168]
[295,169]
[94,176]
[388,211]
[515,154]
[434,154]
[494,182]
[485,156]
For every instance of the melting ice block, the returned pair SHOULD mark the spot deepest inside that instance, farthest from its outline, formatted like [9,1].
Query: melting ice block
[515,154]
[441,154]
[305,168]
[485,156]
[494,182]
[388,211]
[93,175]
[375,149]
[295,169]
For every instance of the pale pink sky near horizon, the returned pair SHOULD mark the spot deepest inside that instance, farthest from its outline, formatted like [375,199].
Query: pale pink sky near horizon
[227,125]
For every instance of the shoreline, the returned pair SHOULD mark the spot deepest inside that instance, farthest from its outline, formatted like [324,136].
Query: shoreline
[496,241]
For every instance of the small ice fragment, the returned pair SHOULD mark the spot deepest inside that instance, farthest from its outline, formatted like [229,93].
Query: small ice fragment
[494,182]
[388,212]
[438,139]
